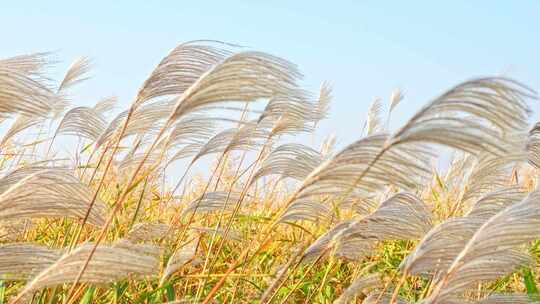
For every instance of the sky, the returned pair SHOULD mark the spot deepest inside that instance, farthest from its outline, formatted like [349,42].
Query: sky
[364,49]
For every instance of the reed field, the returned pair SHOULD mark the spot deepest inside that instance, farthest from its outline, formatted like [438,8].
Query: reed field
[109,203]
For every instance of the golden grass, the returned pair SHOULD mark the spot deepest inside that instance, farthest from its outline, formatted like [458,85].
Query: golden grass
[273,220]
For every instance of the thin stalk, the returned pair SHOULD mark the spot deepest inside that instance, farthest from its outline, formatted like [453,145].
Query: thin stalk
[96,193]
[176,217]
[77,294]
[179,183]
[301,279]
[40,132]
[383,291]
[280,281]
[398,286]
[268,231]
[323,282]
[427,291]
[242,196]
[232,267]
[139,203]
[88,163]
[101,159]
[238,205]
[221,158]
[116,206]
[218,224]
[118,203]
[192,215]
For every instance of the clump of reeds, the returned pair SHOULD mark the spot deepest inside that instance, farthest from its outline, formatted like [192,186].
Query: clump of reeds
[114,219]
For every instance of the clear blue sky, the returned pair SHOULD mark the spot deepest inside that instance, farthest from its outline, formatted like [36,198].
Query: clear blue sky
[364,48]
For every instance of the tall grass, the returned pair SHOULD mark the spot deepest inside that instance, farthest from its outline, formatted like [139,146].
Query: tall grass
[112,220]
